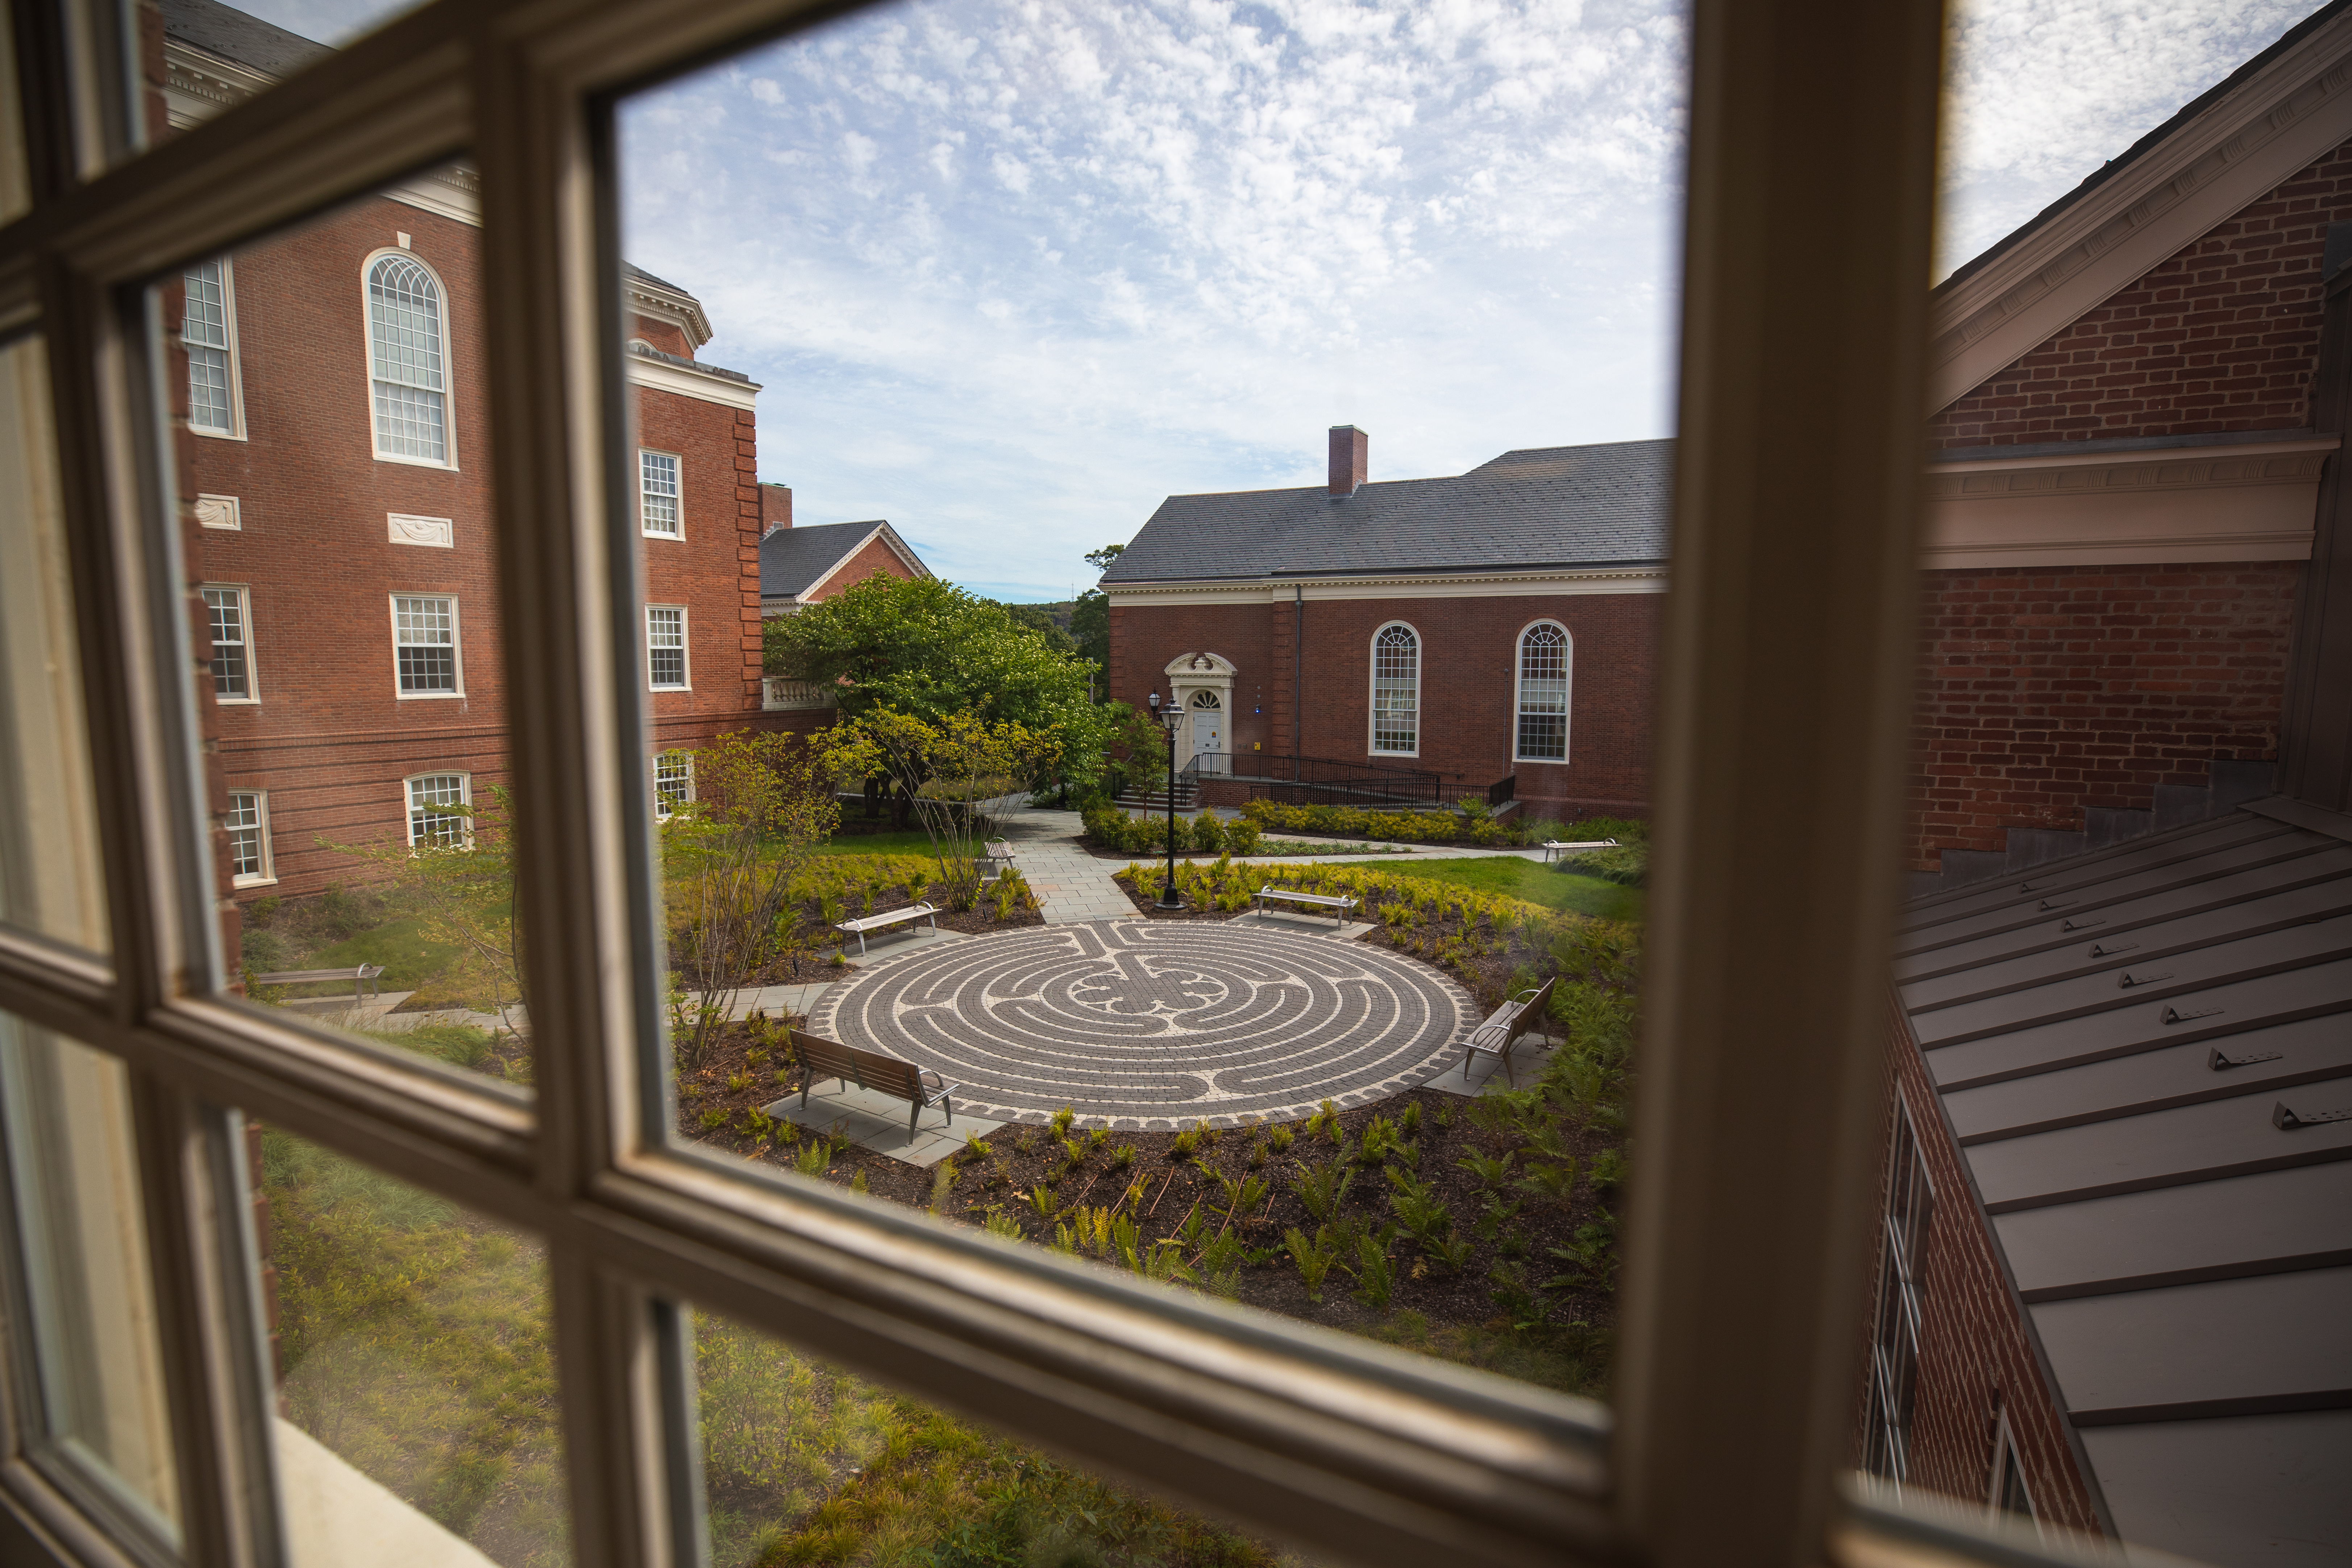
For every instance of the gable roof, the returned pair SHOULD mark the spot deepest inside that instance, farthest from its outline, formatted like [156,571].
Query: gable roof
[794,561]
[2118,1080]
[2280,112]
[1544,507]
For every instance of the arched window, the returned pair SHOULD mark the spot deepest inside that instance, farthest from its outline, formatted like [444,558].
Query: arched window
[1396,691]
[406,361]
[1544,650]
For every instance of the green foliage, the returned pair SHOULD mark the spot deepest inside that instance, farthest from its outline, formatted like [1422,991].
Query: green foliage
[1186,1143]
[1061,1121]
[1112,827]
[1554,1183]
[1490,1172]
[1608,1170]
[1375,1275]
[1280,1139]
[1122,1157]
[1323,1188]
[464,896]
[1510,1293]
[1314,1257]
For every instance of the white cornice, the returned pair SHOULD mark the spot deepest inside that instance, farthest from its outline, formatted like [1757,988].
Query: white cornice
[1440,586]
[2292,112]
[453,191]
[664,303]
[2253,501]
[705,385]
[198,84]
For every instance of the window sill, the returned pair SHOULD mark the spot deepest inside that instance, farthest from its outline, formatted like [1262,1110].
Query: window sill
[669,688]
[253,881]
[220,701]
[429,696]
[678,538]
[414,462]
[216,434]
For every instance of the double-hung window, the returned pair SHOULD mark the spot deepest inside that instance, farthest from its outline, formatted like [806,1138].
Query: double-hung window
[1396,691]
[439,807]
[658,501]
[226,608]
[247,822]
[407,359]
[673,782]
[424,644]
[209,333]
[1544,652]
[1902,1280]
[666,647]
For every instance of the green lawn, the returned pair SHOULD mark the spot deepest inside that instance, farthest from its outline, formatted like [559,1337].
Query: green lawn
[1528,879]
[917,843]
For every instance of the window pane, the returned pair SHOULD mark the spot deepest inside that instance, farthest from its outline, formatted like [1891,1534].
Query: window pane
[414,1352]
[87,1303]
[50,871]
[342,575]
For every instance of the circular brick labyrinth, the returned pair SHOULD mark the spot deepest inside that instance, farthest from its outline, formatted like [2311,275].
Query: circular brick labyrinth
[1149,1025]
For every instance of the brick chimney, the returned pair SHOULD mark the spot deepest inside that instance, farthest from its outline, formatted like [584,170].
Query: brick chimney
[1351,449]
[775,508]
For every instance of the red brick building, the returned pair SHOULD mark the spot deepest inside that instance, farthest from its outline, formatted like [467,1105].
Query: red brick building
[334,435]
[1488,635]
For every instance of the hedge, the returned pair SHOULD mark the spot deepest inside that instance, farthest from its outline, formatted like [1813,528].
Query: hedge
[1112,828]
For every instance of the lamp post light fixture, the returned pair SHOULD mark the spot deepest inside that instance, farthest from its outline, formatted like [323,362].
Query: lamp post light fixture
[1172,715]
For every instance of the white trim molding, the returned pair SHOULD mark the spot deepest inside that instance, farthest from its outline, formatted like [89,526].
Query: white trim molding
[1372,747]
[2290,114]
[220,511]
[453,191]
[446,392]
[2243,502]
[650,297]
[1189,675]
[1568,695]
[1436,585]
[706,386]
[439,532]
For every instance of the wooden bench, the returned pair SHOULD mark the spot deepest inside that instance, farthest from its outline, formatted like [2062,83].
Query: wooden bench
[921,1087]
[1554,849]
[994,857]
[362,977]
[1339,906]
[1501,1031]
[863,923]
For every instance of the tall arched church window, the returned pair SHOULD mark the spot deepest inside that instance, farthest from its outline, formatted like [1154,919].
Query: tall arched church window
[1544,650]
[408,361]
[1396,691]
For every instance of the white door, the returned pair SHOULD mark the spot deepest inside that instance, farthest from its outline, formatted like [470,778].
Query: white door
[1208,732]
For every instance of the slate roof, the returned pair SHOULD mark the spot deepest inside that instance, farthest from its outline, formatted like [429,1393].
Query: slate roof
[794,560]
[2121,1045]
[1550,506]
[232,35]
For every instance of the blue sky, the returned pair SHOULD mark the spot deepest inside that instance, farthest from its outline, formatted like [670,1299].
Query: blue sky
[1011,270]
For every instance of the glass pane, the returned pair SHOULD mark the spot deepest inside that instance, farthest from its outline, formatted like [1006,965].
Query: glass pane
[329,403]
[85,1298]
[902,887]
[804,1463]
[50,871]
[415,1371]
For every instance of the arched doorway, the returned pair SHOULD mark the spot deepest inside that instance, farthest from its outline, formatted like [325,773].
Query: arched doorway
[1202,686]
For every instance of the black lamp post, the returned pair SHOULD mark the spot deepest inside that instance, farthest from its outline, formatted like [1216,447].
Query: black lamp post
[1171,716]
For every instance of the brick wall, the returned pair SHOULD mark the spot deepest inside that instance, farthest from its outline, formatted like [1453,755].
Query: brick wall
[1467,684]
[1976,1359]
[2222,336]
[876,557]
[2046,691]
[666,336]
[714,568]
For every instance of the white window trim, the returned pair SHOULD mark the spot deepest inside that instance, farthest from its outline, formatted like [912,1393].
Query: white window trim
[676,535]
[1567,714]
[269,872]
[236,431]
[2006,1462]
[407,800]
[456,646]
[1903,1138]
[244,591]
[1372,691]
[449,363]
[685,648]
[662,808]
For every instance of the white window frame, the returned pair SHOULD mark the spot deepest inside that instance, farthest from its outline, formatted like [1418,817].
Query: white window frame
[677,495]
[1518,692]
[408,807]
[1373,729]
[666,801]
[245,618]
[448,458]
[1733,1396]
[236,431]
[1901,1290]
[685,650]
[457,649]
[2009,1465]
[269,872]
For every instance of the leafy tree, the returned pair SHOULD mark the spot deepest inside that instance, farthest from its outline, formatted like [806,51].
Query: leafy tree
[942,771]
[1039,618]
[1100,560]
[1090,627]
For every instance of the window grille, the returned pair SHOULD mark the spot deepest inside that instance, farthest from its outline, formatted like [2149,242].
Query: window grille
[437,809]
[247,822]
[1396,691]
[658,496]
[225,608]
[424,641]
[673,782]
[404,337]
[1543,694]
[204,329]
[1902,1277]
[665,645]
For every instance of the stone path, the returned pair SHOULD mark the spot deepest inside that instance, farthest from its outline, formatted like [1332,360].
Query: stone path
[1149,1026]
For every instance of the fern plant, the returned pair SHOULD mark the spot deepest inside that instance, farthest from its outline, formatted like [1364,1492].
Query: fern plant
[1314,1257]
[1492,1172]
[1375,1275]
[1554,1183]
[1322,1188]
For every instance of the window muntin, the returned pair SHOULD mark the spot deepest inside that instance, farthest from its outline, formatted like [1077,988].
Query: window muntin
[439,810]
[1902,1279]
[226,607]
[407,355]
[660,507]
[208,331]
[1545,653]
[424,644]
[673,781]
[1396,691]
[666,647]
[247,822]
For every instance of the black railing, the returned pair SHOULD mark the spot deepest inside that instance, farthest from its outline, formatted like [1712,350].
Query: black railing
[1330,781]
